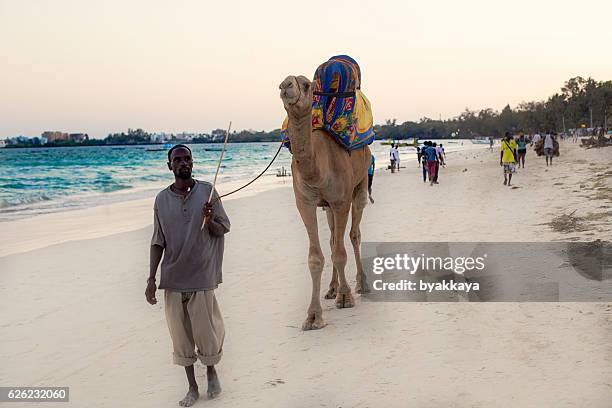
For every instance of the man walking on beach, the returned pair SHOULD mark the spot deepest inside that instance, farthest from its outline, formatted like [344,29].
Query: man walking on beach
[507,158]
[438,161]
[522,150]
[548,148]
[424,160]
[397,157]
[536,139]
[189,233]
[430,155]
[393,157]
[442,154]
[424,164]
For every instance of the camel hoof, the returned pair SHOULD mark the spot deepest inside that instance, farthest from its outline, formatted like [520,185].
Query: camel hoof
[344,300]
[331,293]
[313,322]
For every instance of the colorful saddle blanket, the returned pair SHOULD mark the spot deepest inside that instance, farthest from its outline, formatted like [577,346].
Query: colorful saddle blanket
[338,106]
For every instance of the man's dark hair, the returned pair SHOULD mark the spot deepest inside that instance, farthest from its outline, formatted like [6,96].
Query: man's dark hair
[178,146]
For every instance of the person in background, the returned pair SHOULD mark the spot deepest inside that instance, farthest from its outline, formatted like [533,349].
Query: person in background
[507,158]
[392,157]
[424,160]
[371,177]
[536,139]
[397,157]
[424,165]
[521,149]
[436,148]
[442,155]
[419,154]
[549,146]
[430,156]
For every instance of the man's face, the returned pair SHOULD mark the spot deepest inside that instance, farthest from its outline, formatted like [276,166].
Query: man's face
[181,163]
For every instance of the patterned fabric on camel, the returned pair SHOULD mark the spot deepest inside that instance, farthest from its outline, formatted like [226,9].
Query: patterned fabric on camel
[346,118]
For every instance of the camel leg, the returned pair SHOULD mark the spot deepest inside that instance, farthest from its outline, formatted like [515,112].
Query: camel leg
[333,284]
[359,203]
[344,298]
[314,319]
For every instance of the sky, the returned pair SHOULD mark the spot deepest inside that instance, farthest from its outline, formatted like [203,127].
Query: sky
[103,66]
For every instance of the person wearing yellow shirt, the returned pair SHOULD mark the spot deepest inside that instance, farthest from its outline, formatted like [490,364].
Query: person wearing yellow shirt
[507,157]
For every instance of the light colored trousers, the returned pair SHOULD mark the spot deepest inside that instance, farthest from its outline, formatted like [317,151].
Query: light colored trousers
[194,319]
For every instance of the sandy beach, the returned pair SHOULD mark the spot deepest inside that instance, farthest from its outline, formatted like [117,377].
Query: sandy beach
[72,291]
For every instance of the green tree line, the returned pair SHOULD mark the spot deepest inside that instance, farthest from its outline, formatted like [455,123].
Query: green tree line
[580,103]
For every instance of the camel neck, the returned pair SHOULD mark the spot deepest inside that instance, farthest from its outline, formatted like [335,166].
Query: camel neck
[299,130]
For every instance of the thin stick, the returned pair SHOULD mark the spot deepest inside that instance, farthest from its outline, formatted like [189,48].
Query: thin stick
[219,164]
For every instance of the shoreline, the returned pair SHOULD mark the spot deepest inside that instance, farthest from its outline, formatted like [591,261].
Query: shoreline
[48,203]
[143,190]
[43,230]
[32,233]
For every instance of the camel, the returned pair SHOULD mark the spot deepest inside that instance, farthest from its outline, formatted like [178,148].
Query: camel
[325,174]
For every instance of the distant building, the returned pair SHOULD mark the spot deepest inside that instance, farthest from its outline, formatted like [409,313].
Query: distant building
[55,136]
[184,137]
[79,137]
[18,140]
[158,137]
[218,135]
[2,144]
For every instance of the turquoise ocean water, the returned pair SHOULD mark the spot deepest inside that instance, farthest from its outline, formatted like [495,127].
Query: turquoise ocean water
[44,180]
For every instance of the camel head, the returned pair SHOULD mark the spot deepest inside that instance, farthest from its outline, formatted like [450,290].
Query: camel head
[296,93]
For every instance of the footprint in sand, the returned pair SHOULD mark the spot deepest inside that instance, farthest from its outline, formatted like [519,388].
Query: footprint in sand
[276,382]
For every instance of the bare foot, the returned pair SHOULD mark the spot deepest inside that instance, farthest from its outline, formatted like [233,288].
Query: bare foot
[190,398]
[505,182]
[214,386]
[314,321]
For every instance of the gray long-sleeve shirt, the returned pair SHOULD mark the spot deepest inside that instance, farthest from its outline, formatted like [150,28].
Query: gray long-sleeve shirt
[193,257]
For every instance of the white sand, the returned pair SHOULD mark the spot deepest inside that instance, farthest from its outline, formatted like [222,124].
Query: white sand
[49,229]
[74,314]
